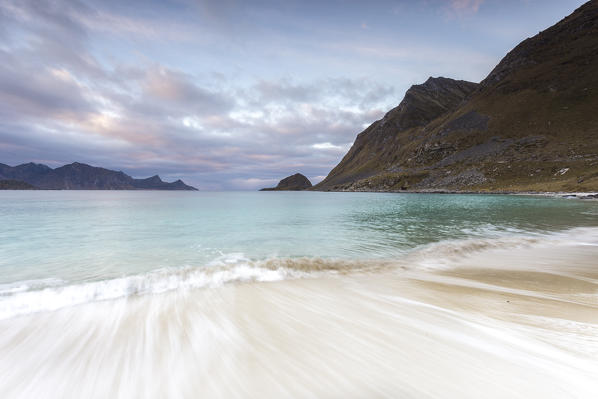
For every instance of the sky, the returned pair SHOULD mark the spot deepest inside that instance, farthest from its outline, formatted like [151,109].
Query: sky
[227,94]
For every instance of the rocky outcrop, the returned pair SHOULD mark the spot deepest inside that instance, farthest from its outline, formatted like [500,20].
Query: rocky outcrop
[80,176]
[531,118]
[296,182]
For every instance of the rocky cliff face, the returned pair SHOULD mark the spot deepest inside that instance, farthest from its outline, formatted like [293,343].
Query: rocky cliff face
[531,125]
[296,182]
[79,176]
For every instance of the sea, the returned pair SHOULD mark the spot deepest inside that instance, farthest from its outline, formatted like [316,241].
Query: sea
[297,294]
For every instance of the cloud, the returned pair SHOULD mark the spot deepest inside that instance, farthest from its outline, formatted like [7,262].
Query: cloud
[469,6]
[253,183]
[52,93]
[223,94]
[177,89]
[333,147]
[155,119]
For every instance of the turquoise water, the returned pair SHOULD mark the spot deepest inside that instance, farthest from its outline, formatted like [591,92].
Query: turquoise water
[90,235]
[153,294]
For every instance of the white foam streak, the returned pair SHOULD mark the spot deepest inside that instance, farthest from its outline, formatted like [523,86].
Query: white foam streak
[51,294]
[19,299]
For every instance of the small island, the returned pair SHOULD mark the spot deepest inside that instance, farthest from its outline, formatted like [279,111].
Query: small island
[296,182]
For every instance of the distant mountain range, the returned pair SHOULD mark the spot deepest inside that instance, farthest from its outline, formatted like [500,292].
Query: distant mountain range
[531,125]
[78,176]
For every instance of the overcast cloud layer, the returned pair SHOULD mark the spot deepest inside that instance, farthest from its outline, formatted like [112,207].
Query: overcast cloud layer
[231,94]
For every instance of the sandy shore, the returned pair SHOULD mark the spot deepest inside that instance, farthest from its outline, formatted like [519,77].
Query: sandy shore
[590,195]
[497,324]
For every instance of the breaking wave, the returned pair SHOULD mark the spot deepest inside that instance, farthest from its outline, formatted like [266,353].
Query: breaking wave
[52,294]
[32,296]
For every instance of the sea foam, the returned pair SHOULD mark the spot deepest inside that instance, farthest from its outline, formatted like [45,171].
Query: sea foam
[51,294]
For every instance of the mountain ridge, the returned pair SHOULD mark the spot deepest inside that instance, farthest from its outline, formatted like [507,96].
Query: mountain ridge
[80,176]
[530,125]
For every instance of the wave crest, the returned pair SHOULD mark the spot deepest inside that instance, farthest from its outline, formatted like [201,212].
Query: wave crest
[51,294]
[47,295]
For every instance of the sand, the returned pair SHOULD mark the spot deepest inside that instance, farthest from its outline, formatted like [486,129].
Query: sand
[495,324]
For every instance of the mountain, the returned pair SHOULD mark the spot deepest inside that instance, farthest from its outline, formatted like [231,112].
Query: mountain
[296,182]
[80,176]
[382,143]
[15,185]
[531,125]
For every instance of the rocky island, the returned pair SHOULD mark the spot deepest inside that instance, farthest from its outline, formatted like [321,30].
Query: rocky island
[296,182]
[78,176]
[531,125]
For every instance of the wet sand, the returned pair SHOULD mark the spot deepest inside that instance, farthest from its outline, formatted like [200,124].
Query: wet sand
[495,324]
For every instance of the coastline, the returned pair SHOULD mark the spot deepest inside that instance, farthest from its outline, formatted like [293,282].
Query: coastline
[518,323]
[313,296]
[590,195]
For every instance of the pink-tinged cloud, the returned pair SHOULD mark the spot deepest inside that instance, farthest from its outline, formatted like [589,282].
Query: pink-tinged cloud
[466,5]
[177,88]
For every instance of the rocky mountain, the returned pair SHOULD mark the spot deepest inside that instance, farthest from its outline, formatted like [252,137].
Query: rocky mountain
[15,185]
[531,125]
[296,182]
[79,176]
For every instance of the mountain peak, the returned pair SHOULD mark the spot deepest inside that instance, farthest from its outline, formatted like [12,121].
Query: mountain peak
[76,165]
[425,102]
[374,146]
[154,178]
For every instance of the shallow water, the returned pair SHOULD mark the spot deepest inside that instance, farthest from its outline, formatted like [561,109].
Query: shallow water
[53,238]
[167,294]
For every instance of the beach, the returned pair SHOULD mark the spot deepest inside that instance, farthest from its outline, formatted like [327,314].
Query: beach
[299,199]
[517,320]
[295,295]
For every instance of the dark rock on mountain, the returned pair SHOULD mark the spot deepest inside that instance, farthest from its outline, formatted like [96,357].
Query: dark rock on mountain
[79,176]
[424,103]
[15,185]
[531,125]
[296,182]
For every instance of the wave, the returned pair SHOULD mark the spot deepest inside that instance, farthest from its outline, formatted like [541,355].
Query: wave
[28,285]
[448,253]
[52,294]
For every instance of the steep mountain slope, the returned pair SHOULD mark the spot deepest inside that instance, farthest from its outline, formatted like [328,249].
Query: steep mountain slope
[79,176]
[380,145]
[530,125]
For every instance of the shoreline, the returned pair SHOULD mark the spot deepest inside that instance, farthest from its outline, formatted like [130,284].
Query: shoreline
[36,296]
[518,324]
[590,195]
